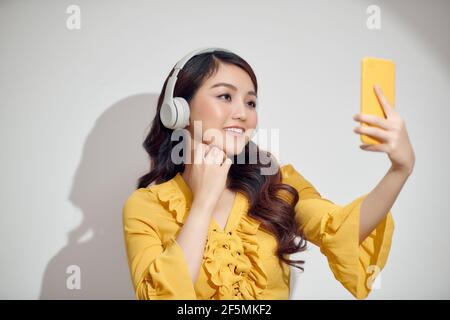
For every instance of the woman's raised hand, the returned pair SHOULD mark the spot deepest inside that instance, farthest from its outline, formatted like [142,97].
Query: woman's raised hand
[209,174]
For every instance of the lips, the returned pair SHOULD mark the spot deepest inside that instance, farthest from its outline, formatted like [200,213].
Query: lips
[234,131]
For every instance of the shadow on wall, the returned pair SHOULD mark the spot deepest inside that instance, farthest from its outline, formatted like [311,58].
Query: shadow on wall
[112,160]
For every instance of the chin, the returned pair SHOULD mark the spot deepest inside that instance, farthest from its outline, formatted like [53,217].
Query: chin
[233,150]
[233,145]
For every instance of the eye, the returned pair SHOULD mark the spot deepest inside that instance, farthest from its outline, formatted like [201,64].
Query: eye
[251,103]
[226,94]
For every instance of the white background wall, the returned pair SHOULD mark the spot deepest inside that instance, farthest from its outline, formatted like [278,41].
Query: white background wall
[76,104]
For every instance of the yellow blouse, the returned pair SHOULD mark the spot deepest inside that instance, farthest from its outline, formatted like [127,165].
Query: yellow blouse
[240,262]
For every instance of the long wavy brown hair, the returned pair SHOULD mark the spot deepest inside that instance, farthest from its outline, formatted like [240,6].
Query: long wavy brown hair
[270,201]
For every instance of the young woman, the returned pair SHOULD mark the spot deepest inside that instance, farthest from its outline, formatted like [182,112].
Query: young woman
[214,227]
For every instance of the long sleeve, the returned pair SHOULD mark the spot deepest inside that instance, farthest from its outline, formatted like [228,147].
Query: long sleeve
[335,229]
[158,270]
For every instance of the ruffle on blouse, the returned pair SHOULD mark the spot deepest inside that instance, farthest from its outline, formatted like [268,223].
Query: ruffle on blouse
[231,258]
[335,229]
[355,265]
[233,263]
[174,200]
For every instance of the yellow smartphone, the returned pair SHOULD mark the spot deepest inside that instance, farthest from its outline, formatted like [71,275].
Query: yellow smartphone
[381,72]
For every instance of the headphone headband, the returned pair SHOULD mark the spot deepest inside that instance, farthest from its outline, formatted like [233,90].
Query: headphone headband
[170,87]
[175,111]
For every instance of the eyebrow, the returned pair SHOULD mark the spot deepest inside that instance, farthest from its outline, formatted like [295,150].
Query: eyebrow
[229,85]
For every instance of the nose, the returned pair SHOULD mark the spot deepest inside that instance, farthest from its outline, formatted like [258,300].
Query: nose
[239,111]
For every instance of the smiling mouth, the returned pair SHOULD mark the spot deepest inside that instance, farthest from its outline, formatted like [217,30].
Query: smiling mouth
[234,132]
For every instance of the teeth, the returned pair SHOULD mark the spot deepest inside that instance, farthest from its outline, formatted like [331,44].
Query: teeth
[234,130]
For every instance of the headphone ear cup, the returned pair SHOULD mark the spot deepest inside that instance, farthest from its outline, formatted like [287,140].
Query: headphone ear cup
[183,111]
[168,114]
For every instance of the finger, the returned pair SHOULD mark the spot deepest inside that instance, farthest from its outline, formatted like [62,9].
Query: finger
[378,133]
[195,143]
[218,156]
[192,150]
[381,147]
[222,156]
[211,155]
[209,149]
[373,120]
[212,147]
[206,149]
[220,153]
[219,159]
[199,153]
[227,163]
[209,159]
[388,110]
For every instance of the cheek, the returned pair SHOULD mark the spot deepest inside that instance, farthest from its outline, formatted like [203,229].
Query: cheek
[210,113]
[252,119]
[212,117]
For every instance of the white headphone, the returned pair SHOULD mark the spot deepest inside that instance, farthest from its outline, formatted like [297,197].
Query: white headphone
[175,111]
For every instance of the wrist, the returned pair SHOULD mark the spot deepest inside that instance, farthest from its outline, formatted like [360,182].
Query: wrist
[204,204]
[401,170]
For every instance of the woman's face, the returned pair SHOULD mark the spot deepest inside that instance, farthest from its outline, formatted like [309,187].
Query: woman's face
[226,99]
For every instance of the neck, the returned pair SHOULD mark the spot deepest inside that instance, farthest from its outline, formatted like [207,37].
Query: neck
[187,174]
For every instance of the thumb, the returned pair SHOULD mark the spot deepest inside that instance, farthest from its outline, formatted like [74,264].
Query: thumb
[227,163]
